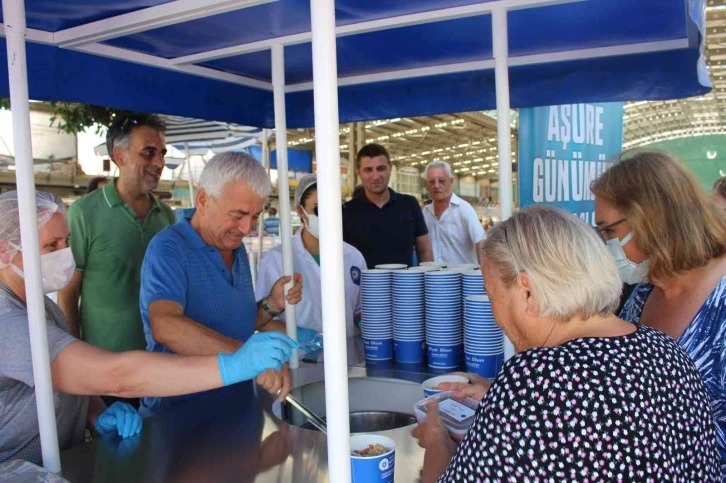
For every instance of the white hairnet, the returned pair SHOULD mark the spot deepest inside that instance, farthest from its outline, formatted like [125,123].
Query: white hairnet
[47,205]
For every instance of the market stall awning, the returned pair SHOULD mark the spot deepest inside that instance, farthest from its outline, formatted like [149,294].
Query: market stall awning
[211,59]
[204,136]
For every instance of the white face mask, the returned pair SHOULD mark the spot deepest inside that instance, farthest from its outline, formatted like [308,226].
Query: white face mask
[312,224]
[630,273]
[56,269]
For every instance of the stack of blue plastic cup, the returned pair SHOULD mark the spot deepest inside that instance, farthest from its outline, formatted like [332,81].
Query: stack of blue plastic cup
[443,319]
[408,314]
[483,339]
[377,316]
[472,283]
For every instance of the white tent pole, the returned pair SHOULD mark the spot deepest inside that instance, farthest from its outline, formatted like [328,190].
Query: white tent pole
[266,165]
[327,146]
[350,178]
[14,17]
[283,192]
[189,168]
[504,140]
[253,269]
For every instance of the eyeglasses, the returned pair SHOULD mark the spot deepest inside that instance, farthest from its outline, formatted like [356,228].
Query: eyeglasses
[601,229]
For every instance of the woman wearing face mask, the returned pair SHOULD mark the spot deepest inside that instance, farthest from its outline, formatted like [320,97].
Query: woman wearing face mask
[666,235]
[306,260]
[79,369]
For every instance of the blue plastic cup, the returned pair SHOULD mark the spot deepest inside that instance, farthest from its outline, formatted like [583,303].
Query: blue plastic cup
[485,366]
[444,338]
[443,341]
[378,349]
[372,469]
[487,347]
[443,355]
[376,330]
[451,333]
[445,331]
[409,350]
[491,351]
[417,338]
[379,335]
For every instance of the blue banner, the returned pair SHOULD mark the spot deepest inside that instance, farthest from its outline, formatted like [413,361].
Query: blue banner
[562,149]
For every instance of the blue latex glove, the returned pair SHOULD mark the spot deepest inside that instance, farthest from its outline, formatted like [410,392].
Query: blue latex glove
[122,418]
[262,351]
[304,336]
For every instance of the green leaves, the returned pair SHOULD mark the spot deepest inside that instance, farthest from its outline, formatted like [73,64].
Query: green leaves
[72,118]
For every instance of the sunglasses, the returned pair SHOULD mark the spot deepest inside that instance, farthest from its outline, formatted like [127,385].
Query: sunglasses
[130,121]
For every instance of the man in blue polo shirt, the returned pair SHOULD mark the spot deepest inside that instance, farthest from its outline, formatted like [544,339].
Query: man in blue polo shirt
[383,225]
[196,289]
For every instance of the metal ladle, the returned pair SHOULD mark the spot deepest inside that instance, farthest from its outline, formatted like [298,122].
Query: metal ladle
[314,419]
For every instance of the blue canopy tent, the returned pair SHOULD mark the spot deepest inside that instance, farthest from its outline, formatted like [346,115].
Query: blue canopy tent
[274,63]
[214,63]
[297,160]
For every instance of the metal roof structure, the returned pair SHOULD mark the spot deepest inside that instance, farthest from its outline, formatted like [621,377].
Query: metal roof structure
[649,122]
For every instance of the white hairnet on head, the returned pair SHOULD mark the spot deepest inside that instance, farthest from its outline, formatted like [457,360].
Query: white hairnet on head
[47,205]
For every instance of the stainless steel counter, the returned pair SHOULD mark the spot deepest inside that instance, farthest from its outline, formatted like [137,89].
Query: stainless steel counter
[232,435]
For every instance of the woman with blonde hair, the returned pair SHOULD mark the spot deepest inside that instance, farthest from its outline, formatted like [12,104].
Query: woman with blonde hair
[587,397]
[666,235]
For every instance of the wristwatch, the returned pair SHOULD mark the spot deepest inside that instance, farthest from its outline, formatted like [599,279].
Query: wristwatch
[266,306]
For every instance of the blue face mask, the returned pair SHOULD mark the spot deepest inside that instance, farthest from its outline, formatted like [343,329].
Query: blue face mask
[630,273]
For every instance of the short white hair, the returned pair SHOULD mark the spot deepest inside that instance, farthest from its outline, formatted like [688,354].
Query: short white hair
[570,271]
[438,164]
[226,167]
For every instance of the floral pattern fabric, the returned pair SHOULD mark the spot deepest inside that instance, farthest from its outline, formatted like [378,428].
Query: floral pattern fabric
[705,341]
[629,408]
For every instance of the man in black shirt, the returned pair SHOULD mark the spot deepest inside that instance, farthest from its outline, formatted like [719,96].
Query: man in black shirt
[384,225]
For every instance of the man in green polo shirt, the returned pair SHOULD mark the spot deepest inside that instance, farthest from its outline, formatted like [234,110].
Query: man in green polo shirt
[110,230]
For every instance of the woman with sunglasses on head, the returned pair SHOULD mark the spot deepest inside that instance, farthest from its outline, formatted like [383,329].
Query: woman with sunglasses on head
[306,260]
[668,237]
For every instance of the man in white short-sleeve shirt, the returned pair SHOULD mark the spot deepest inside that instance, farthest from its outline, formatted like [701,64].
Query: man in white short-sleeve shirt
[306,260]
[453,224]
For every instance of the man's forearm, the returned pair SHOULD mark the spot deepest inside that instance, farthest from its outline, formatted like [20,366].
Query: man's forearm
[425,254]
[68,304]
[188,338]
[68,298]
[265,323]
[96,407]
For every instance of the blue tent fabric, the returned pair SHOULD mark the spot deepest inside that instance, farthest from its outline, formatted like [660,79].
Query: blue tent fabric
[654,77]
[297,160]
[65,75]
[61,74]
